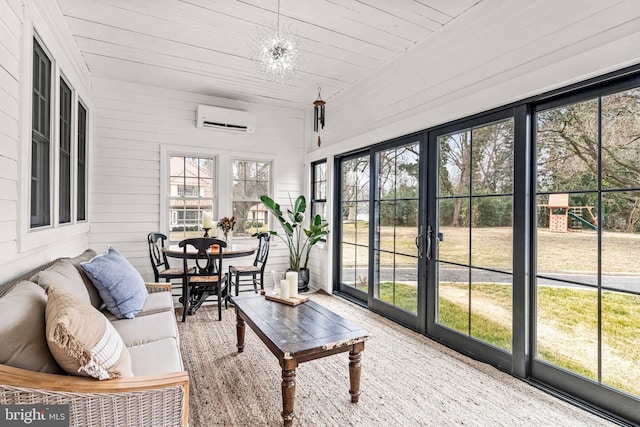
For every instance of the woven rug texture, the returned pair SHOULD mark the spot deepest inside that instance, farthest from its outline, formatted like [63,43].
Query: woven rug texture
[407,380]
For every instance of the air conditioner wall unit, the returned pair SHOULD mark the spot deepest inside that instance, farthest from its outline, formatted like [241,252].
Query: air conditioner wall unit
[227,119]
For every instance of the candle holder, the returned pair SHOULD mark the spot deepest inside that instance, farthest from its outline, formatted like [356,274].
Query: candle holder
[206,232]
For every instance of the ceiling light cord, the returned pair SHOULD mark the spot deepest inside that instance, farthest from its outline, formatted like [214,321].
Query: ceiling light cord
[278,24]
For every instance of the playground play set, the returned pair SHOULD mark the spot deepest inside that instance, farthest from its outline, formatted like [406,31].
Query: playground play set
[563,218]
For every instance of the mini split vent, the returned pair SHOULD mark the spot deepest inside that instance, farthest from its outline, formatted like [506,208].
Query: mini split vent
[227,119]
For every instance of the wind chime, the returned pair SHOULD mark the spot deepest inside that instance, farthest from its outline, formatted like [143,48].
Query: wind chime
[318,115]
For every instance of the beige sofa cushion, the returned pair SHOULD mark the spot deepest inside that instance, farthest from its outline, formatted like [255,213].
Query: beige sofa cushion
[145,329]
[23,342]
[155,303]
[96,301]
[66,278]
[82,340]
[156,358]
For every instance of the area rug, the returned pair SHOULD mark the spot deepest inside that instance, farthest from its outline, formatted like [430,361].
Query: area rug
[407,380]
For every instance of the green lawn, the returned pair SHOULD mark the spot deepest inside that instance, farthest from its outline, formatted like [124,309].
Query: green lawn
[569,312]
[402,296]
[569,332]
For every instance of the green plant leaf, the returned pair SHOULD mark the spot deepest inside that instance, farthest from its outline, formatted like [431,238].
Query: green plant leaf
[288,228]
[270,204]
[300,205]
[291,215]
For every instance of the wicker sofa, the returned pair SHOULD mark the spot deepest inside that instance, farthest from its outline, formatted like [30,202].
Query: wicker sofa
[156,394]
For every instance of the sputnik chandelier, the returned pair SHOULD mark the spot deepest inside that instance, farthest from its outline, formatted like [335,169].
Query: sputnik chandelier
[277,51]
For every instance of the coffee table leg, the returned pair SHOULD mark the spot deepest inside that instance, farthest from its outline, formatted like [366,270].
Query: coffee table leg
[240,332]
[355,357]
[288,390]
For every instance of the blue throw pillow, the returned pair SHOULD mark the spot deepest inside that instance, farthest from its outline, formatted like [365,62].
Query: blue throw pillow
[119,284]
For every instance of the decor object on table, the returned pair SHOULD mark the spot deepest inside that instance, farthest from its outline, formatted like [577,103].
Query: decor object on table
[292,278]
[277,276]
[292,301]
[298,239]
[277,51]
[284,288]
[226,225]
[206,223]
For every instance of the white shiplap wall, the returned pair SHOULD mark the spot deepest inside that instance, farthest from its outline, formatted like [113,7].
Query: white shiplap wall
[498,53]
[11,19]
[18,22]
[131,125]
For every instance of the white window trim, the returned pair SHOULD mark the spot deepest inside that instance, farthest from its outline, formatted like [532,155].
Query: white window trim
[166,151]
[224,168]
[28,238]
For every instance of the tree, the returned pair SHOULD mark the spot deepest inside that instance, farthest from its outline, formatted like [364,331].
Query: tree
[570,149]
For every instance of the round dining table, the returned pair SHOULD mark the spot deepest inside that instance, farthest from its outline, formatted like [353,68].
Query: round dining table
[233,250]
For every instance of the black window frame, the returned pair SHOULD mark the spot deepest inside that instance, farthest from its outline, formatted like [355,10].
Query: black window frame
[315,200]
[64,153]
[40,197]
[81,164]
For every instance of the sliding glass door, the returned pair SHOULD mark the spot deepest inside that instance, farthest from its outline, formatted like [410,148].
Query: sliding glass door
[396,230]
[472,224]
[512,236]
[587,282]
[353,215]
[379,209]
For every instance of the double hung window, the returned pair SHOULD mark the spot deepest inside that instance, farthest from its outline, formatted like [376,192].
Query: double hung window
[192,193]
[251,179]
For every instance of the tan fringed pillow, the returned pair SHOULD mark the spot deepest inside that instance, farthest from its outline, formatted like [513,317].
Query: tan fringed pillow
[82,340]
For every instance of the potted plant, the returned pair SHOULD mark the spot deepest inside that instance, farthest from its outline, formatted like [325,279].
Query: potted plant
[298,239]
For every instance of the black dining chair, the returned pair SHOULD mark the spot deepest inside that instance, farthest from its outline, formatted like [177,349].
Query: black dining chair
[241,275]
[207,279]
[159,262]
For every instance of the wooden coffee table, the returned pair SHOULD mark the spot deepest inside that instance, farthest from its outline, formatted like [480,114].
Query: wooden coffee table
[297,334]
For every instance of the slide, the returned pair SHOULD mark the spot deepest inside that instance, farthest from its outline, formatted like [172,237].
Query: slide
[583,221]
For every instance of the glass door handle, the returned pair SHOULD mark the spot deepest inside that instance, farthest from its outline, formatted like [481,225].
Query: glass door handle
[429,237]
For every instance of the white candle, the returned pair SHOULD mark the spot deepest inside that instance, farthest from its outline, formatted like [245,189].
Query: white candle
[284,288]
[292,278]
[206,220]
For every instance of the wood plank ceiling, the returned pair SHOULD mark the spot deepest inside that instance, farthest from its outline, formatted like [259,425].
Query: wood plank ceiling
[205,46]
